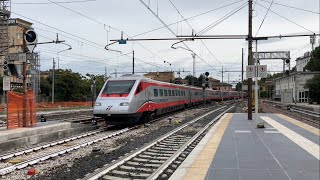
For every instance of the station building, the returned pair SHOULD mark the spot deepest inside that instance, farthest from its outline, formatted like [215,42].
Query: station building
[290,88]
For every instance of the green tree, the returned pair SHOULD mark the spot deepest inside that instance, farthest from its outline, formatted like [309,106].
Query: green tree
[189,78]
[314,63]
[314,84]
[69,86]
[314,88]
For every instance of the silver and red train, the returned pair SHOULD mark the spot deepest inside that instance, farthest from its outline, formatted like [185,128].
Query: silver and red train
[130,98]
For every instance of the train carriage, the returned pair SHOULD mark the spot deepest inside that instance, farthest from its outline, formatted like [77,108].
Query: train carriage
[131,98]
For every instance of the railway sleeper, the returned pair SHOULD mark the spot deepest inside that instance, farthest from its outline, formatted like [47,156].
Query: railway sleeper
[108,177]
[153,157]
[137,168]
[156,154]
[168,148]
[133,174]
[156,161]
[179,141]
[134,163]
[161,152]
[130,175]
[168,145]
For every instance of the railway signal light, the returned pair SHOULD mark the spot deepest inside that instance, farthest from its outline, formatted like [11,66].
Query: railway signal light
[287,61]
[206,79]
[30,37]
[5,69]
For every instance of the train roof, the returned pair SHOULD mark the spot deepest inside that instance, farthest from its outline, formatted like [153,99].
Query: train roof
[138,77]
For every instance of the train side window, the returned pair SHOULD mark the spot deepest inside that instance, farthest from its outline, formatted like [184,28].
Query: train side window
[155,92]
[179,94]
[182,93]
[169,91]
[165,92]
[172,92]
[160,92]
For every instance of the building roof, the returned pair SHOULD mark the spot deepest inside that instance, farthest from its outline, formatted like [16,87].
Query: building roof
[299,73]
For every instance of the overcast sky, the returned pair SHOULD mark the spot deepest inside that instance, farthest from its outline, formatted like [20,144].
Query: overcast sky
[102,20]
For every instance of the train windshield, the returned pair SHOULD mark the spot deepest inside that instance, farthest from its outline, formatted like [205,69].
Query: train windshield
[118,87]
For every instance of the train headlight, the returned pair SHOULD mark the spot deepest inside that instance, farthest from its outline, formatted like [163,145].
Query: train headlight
[97,104]
[124,104]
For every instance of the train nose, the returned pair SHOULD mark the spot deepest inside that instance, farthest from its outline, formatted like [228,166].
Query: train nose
[111,107]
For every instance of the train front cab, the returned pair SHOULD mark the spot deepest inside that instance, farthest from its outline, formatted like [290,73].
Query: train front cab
[115,102]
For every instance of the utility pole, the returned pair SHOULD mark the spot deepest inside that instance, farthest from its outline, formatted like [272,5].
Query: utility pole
[228,77]
[256,98]
[53,69]
[24,88]
[312,41]
[105,73]
[250,62]
[222,85]
[242,76]
[133,62]
[193,67]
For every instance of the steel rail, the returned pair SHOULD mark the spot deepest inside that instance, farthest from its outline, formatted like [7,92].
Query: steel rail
[46,145]
[101,172]
[164,166]
[33,161]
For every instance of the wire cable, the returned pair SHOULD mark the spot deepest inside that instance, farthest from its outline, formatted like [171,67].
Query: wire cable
[174,33]
[225,17]
[286,18]
[264,19]
[194,31]
[291,7]
[104,26]
[62,2]
[221,7]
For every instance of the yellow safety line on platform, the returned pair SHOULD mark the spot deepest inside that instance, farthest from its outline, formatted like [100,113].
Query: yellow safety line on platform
[300,124]
[303,142]
[201,165]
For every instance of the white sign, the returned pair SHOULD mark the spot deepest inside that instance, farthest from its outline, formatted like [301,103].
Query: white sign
[245,87]
[6,83]
[250,71]
[262,71]
[22,57]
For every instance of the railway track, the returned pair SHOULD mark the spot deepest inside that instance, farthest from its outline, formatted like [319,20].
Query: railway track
[294,113]
[161,157]
[35,149]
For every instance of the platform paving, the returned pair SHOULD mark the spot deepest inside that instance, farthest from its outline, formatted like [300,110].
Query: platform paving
[245,152]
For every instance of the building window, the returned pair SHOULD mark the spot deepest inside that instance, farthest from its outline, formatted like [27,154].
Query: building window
[155,92]
[160,92]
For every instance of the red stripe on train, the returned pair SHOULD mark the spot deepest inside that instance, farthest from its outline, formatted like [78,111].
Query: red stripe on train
[151,106]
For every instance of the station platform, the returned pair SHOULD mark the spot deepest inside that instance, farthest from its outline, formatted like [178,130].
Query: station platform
[235,149]
[42,132]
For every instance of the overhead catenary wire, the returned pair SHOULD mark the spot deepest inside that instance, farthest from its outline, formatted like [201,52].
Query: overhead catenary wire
[76,57]
[62,2]
[212,25]
[79,36]
[292,7]
[175,34]
[206,12]
[264,18]
[194,31]
[286,18]
[101,23]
